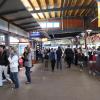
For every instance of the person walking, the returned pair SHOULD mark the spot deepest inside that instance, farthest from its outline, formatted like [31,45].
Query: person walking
[37,55]
[59,58]
[46,59]
[76,56]
[4,65]
[52,59]
[27,59]
[13,60]
[81,60]
[98,57]
[69,55]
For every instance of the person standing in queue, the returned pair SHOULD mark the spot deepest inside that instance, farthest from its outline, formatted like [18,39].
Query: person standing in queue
[75,56]
[13,60]
[52,59]
[46,59]
[81,60]
[4,65]
[69,55]
[37,55]
[59,60]
[27,59]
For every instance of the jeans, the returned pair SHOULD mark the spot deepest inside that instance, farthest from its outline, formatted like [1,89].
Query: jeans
[59,64]
[69,62]
[28,73]
[46,63]
[76,61]
[4,69]
[14,78]
[81,64]
[53,65]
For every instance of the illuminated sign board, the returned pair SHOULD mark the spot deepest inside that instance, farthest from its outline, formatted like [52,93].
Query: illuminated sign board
[35,35]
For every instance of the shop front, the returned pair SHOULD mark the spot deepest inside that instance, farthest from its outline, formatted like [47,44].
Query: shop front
[2,39]
[23,42]
[94,41]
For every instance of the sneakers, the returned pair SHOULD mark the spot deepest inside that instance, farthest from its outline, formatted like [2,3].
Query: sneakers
[27,82]
[81,70]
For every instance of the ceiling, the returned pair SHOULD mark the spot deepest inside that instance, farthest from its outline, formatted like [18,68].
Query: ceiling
[28,13]
[14,12]
[45,9]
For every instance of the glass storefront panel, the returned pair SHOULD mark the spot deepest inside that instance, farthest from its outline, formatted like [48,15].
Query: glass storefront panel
[2,39]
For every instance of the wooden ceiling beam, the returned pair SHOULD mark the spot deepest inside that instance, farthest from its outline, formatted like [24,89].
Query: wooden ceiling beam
[62,5]
[40,5]
[65,17]
[44,6]
[63,8]
[33,7]
[52,5]
[47,7]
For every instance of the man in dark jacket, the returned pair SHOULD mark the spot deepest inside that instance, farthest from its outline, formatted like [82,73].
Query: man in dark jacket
[3,64]
[59,60]
[69,55]
[52,59]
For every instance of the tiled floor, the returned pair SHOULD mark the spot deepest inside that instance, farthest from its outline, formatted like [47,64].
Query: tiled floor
[68,84]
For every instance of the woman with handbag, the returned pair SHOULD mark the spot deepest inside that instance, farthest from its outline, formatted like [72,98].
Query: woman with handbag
[27,60]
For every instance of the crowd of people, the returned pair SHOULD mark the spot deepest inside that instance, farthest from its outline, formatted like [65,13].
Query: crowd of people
[9,61]
[77,56]
[9,65]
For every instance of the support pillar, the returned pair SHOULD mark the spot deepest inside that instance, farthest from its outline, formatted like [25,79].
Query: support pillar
[7,40]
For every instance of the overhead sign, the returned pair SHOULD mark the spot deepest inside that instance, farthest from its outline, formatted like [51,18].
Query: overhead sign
[35,34]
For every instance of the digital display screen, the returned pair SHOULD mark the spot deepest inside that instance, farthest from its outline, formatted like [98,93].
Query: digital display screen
[35,35]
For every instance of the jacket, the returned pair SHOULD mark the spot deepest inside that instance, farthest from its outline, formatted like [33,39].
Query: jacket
[52,56]
[4,59]
[13,63]
[59,54]
[98,59]
[28,61]
[69,53]
[81,57]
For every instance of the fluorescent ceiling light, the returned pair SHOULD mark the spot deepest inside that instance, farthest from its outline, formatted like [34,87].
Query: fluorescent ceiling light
[35,16]
[44,39]
[41,15]
[27,5]
[35,4]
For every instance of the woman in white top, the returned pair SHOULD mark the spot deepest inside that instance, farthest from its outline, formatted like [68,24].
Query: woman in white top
[13,59]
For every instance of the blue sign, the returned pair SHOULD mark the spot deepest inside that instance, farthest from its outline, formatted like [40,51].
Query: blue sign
[35,35]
